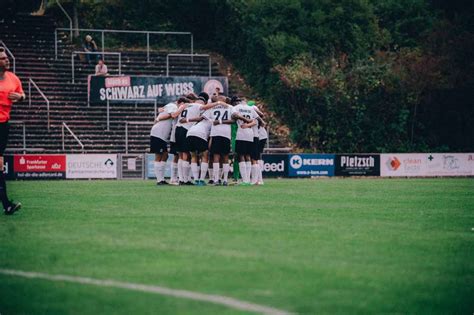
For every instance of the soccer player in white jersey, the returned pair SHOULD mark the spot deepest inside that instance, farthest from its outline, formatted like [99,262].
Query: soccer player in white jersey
[244,138]
[197,143]
[159,138]
[262,141]
[174,163]
[255,156]
[222,116]
[189,115]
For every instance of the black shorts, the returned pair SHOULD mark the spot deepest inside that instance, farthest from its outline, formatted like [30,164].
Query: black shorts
[220,145]
[173,147]
[180,136]
[261,145]
[158,145]
[243,147]
[4,131]
[255,154]
[194,144]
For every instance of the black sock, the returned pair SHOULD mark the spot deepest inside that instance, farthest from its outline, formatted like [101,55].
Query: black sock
[3,191]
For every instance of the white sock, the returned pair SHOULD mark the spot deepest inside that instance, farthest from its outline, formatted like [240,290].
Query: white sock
[215,170]
[248,165]
[260,171]
[243,171]
[211,173]
[186,168]
[254,173]
[195,170]
[174,172]
[226,169]
[204,168]
[157,168]
[163,169]
[221,172]
[180,170]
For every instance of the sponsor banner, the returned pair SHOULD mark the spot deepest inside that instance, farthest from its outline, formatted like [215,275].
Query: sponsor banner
[91,166]
[163,89]
[275,165]
[150,169]
[357,165]
[39,166]
[8,167]
[307,165]
[427,164]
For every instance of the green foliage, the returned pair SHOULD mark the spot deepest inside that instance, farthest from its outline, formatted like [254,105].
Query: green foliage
[346,75]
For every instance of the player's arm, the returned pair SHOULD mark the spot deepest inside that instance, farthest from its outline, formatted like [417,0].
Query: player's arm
[261,121]
[211,105]
[179,111]
[162,117]
[188,120]
[237,116]
[223,122]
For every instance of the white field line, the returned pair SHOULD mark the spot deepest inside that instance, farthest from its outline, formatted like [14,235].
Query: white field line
[215,299]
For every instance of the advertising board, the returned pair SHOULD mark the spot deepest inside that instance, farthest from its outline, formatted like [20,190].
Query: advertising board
[307,165]
[357,165]
[39,166]
[275,165]
[163,89]
[427,164]
[91,166]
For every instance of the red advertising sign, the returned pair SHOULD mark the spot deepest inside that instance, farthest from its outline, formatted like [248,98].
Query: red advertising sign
[39,166]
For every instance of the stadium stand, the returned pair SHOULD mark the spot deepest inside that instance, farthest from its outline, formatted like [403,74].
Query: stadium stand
[31,40]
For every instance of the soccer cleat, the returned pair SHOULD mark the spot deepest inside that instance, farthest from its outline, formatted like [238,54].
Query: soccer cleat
[163,182]
[210,182]
[189,184]
[224,183]
[244,184]
[181,183]
[174,183]
[13,208]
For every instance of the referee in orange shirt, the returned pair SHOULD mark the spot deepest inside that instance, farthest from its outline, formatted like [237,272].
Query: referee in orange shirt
[11,91]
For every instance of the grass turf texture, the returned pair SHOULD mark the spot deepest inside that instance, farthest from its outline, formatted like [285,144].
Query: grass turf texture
[339,246]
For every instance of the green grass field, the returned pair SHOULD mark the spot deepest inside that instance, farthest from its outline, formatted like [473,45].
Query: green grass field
[338,246]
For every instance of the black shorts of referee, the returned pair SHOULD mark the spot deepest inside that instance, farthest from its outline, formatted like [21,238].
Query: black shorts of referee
[243,147]
[4,132]
[220,145]
[157,145]
[180,136]
[196,144]
[255,154]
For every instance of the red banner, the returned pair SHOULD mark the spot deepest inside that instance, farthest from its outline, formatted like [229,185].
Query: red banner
[39,166]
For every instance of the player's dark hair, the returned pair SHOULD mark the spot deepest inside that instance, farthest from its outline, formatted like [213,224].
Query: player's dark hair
[192,96]
[205,96]
[183,100]
[235,100]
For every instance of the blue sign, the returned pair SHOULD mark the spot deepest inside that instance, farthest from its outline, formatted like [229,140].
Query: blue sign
[150,166]
[307,165]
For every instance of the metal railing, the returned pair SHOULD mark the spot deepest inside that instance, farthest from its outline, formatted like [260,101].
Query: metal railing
[10,53]
[64,125]
[133,123]
[31,82]
[154,100]
[186,55]
[68,17]
[103,31]
[74,53]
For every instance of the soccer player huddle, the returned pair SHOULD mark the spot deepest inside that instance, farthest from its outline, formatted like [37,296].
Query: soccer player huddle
[199,133]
